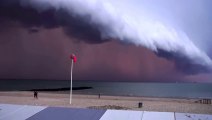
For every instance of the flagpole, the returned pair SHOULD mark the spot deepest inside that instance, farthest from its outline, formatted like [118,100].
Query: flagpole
[71,81]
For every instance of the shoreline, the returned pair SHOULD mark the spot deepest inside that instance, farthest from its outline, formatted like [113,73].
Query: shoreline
[76,90]
[160,90]
[93,95]
[55,99]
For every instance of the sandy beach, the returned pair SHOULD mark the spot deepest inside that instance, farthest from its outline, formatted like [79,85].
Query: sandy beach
[112,102]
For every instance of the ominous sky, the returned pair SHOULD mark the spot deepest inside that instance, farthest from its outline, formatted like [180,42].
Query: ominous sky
[149,40]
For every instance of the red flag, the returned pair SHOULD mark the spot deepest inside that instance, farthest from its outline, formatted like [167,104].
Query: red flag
[73,57]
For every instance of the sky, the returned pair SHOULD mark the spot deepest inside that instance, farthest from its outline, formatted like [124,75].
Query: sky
[137,40]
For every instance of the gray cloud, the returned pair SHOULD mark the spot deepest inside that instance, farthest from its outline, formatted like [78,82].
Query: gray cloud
[161,26]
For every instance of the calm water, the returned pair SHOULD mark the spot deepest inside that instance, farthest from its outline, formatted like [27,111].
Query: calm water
[179,90]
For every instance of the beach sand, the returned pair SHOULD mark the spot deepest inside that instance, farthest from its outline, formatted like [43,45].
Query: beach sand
[113,102]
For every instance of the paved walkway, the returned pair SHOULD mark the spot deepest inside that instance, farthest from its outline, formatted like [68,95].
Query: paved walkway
[25,112]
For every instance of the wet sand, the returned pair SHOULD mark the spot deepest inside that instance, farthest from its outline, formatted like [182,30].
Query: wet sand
[113,102]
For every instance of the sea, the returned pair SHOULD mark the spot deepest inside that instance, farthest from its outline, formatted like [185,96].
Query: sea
[169,90]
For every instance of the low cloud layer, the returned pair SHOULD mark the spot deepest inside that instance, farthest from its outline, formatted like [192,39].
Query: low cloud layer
[132,22]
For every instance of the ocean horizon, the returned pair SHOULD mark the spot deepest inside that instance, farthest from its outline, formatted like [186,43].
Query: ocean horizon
[167,90]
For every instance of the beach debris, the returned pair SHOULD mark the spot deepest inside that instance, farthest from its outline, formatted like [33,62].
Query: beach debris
[109,107]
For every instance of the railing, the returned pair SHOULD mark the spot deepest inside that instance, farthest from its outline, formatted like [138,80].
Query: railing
[204,101]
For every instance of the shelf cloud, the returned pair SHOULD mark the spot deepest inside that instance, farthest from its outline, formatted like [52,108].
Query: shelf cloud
[131,22]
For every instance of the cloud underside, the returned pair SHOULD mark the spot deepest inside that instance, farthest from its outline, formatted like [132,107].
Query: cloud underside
[83,27]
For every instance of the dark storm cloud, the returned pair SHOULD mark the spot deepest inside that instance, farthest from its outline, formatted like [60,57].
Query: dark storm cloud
[182,63]
[45,55]
[51,18]
[187,57]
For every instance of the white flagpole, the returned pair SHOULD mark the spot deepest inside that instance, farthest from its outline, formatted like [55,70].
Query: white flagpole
[71,80]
